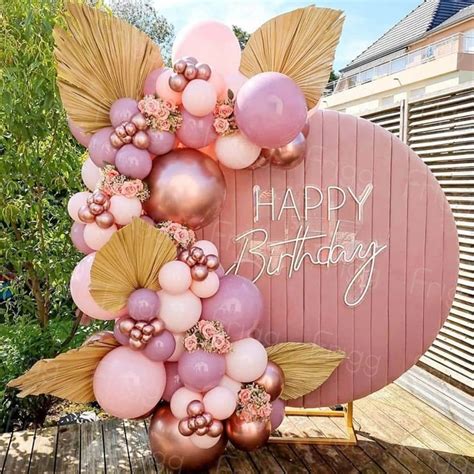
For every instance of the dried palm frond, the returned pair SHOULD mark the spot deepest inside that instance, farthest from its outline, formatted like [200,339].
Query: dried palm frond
[300,44]
[100,58]
[131,259]
[69,375]
[306,366]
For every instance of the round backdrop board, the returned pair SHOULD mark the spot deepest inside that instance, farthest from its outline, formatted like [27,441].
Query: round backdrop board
[356,249]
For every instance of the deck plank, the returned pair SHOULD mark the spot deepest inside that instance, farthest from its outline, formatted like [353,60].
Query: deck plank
[115,447]
[92,448]
[68,451]
[44,451]
[19,452]
[5,439]
[141,458]
[239,461]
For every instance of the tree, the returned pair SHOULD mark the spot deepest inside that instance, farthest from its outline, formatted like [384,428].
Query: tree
[143,15]
[242,36]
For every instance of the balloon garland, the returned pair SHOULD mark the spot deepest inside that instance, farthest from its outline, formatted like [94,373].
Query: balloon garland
[182,346]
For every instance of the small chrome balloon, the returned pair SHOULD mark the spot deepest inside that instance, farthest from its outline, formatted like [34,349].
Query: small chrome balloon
[146,337]
[130,128]
[289,156]
[192,424]
[106,205]
[184,428]
[200,421]
[212,262]
[105,220]
[148,330]
[195,408]
[158,326]
[177,82]
[141,140]
[126,140]
[208,418]
[135,344]
[260,162]
[115,140]
[99,197]
[190,72]
[190,261]
[126,325]
[197,253]
[136,334]
[215,428]
[139,121]
[85,215]
[247,436]
[190,60]
[120,131]
[199,272]
[183,255]
[140,325]
[96,209]
[203,71]
[272,380]
[179,66]
[202,430]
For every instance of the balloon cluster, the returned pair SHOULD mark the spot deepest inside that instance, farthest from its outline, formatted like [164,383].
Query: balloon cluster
[96,210]
[199,262]
[200,422]
[131,132]
[185,70]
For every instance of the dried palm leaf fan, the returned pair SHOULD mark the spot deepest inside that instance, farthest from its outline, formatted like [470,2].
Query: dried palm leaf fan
[300,44]
[131,259]
[69,375]
[306,366]
[100,59]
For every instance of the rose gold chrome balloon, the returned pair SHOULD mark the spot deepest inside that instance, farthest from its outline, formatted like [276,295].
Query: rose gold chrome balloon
[203,71]
[208,418]
[199,272]
[115,140]
[99,197]
[288,156]
[190,261]
[141,140]
[202,431]
[183,427]
[135,344]
[190,60]
[130,128]
[215,428]
[95,209]
[120,131]
[190,72]
[212,262]
[192,424]
[126,140]
[183,255]
[195,408]
[126,325]
[247,436]
[260,162]
[158,326]
[176,451]
[85,215]
[186,186]
[197,253]
[200,421]
[139,121]
[104,220]
[140,325]
[179,66]
[146,337]
[136,334]
[272,380]
[177,82]
[148,330]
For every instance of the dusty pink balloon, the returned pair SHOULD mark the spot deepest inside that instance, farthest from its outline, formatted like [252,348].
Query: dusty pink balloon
[78,133]
[101,150]
[173,381]
[124,209]
[96,237]
[200,370]
[122,110]
[278,413]
[149,87]
[133,162]
[143,305]
[160,142]
[196,132]
[77,237]
[160,348]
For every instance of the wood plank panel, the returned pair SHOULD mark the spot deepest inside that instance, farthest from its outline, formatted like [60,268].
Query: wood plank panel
[115,447]
[19,452]
[44,451]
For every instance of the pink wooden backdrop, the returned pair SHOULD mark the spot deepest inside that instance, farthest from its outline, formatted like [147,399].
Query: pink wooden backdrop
[414,279]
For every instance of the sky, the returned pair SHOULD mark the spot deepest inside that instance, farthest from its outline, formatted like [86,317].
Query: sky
[366,20]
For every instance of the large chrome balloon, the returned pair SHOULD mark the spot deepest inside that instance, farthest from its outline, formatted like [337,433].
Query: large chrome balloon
[176,451]
[245,435]
[286,157]
[272,380]
[186,186]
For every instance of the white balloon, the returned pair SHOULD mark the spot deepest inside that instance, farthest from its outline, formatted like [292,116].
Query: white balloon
[247,360]
[236,151]
[220,402]
[207,287]
[180,400]
[90,174]
[96,237]
[208,247]
[199,98]
[179,312]
[76,201]
[175,277]
[204,442]
[124,209]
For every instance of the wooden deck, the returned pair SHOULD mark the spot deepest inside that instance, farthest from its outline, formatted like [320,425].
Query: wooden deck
[396,431]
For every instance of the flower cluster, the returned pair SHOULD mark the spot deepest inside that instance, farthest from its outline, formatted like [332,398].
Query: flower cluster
[180,234]
[161,115]
[112,182]
[224,118]
[209,336]
[253,403]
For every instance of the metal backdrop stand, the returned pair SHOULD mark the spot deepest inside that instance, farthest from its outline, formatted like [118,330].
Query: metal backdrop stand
[347,412]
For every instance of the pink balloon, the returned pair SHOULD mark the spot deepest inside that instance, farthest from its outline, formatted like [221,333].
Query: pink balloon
[196,132]
[246,361]
[200,370]
[207,246]
[207,287]
[220,402]
[235,81]
[270,109]
[133,162]
[175,277]
[148,220]
[124,209]
[179,349]
[79,286]
[160,142]
[82,137]
[219,84]
[121,338]
[236,151]
[180,400]
[220,272]
[77,237]
[230,384]
[144,305]
[179,312]
[90,174]
[173,382]
[149,86]
[76,201]
[210,42]
[127,384]
[163,89]
[122,110]
[199,98]
[278,413]
[161,347]
[96,237]
[101,150]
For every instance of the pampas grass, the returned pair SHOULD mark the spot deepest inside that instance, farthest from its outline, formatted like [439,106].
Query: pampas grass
[306,366]
[300,44]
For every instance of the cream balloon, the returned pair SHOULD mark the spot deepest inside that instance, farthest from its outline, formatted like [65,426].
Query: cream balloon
[220,402]
[247,360]
[90,174]
[179,347]
[96,237]
[179,312]
[219,84]
[76,201]
[204,442]
[124,209]
[207,287]
[230,384]
[235,81]
[175,277]
[180,400]
[207,246]
[163,89]
[199,98]
[236,151]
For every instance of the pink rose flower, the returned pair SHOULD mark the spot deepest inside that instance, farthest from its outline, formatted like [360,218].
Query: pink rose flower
[225,111]
[221,125]
[164,126]
[182,236]
[244,395]
[167,104]
[190,343]
[202,323]
[111,174]
[218,342]
[163,114]
[226,347]
[128,189]
[208,330]
[138,185]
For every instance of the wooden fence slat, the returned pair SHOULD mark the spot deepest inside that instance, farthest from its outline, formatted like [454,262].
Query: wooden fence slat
[44,451]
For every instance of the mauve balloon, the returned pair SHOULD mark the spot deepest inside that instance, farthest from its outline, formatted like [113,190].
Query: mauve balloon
[77,237]
[238,305]
[196,132]
[160,142]
[161,347]
[82,137]
[278,413]
[133,162]
[270,109]
[122,110]
[143,304]
[173,380]
[149,86]
[186,186]
[101,150]
[200,370]
[121,338]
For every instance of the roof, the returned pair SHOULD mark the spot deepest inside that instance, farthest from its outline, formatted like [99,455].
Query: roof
[427,16]
[464,14]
